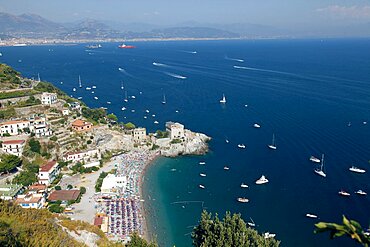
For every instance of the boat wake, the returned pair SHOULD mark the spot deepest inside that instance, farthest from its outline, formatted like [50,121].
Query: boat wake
[191,52]
[263,70]
[234,59]
[161,65]
[176,75]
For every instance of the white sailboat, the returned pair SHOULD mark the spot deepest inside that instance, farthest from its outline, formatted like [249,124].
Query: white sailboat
[223,100]
[122,85]
[321,171]
[273,145]
[164,99]
[126,99]
[251,223]
[79,82]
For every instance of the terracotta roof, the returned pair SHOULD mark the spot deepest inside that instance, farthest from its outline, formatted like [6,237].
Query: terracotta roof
[13,122]
[13,142]
[64,195]
[98,221]
[31,198]
[48,166]
[80,123]
[37,187]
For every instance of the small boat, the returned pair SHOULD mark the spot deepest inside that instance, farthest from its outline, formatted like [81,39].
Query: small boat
[145,117]
[242,199]
[314,159]
[364,122]
[108,102]
[349,124]
[147,111]
[226,168]
[164,99]
[344,193]
[256,125]
[88,88]
[262,180]
[244,185]
[267,235]
[202,163]
[1,54]
[123,108]
[133,97]
[356,169]
[123,46]
[251,223]
[126,99]
[173,170]
[313,216]
[272,145]
[361,192]
[245,105]
[79,98]
[202,174]
[241,146]
[61,82]
[177,111]
[153,115]
[93,86]
[223,100]
[132,110]
[94,46]
[92,92]
[227,141]
[202,186]
[74,89]
[156,122]
[320,171]
[122,86]
[96,98]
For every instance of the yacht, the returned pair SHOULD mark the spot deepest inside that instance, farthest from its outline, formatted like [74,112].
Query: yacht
[226,168]
[108,102]
[227,141]
[79,98]
[269,235]
[96,98]
[202,163]
[88,88]
[133,97]
[223,100]
[311,216]
[202,174]
[126,99]
[156,122]
[202,186]
[344,193]
[164,99]
[262,180]
[122,86]
[123,108]
[355,169]
[93,86]
[272,145]
[244,185]
[251,223]
[74,89]
[321,171]
[314,159]
[361,192]
[256,125]
[241,146]
[242,199]
[147,111]
[153,115]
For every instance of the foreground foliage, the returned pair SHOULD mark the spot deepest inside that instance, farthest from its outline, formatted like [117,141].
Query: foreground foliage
[229,232]
[137,241]
[349,228]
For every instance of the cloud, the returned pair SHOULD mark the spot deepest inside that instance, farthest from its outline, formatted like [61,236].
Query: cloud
[344,12]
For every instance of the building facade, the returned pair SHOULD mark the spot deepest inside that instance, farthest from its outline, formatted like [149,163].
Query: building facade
[139,135]
[80,125]
[176,130]
[82,156]
[14,147]
[48,98]
[36,201]
[13,127]
[48,172]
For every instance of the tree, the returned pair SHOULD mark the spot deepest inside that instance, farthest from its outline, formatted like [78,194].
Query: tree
[230,231]
[130,126]
[112,117]
[137,241]
[35,145]
[25,178]
[349,228]
[82,190]
[55,208]
[58,187]
[9,162]
[69,187]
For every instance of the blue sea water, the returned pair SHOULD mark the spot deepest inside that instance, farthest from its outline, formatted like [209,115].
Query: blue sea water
[304,91]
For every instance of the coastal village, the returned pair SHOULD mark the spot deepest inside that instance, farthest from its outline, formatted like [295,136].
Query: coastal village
[56,153]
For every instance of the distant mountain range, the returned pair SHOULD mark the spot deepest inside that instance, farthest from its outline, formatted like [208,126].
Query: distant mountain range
[36,27]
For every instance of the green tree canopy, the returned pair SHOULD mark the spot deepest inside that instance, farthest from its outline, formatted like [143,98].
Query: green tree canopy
[137,241]
[9,162]
[35,145]
[231,231]
[25,178]
[130,126]
[112,117]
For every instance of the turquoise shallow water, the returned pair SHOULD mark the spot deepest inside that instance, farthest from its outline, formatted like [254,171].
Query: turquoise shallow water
[304,91]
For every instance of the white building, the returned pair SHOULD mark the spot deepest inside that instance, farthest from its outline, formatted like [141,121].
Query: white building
[48,172]
[13,127]
[139,135]
[14,147]
[82,156]
[113,184]
[49,98]
[36,201]
[176,130]
[65,112]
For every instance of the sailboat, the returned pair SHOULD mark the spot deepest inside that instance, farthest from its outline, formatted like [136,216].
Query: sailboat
[164,99]
[126,100]
[79,82]
[272,145]
[251,223]
[321,171]
[122,85]
[223,100]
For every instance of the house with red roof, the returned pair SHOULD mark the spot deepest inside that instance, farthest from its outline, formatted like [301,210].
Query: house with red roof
[48,172]
[14,147]
[64,195]
[80,125]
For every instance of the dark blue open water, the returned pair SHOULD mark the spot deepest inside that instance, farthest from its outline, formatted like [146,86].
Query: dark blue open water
[304,91]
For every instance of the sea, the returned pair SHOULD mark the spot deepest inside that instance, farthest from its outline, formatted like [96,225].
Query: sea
[313,95]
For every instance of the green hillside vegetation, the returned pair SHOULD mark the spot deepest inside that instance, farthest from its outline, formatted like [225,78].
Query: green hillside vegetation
[8,76]
[231,231]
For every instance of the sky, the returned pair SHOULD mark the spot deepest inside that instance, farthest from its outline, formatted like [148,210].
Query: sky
[277,13]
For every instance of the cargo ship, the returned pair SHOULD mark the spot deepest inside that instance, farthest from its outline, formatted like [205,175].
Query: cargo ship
[123,46]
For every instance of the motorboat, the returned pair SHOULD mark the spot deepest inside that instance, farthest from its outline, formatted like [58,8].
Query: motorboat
[96,98]
[356,169]
[202,174]
[256,125]
[241,146]
[262,180]
[202,163]
[223,100]
[202,186]
[267,235]
[361,192]
[313,216]
[320,171]
[314,159]
[156,122]
[244,185]
[242,199]
[344,193]
[226,168]
[272,145]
